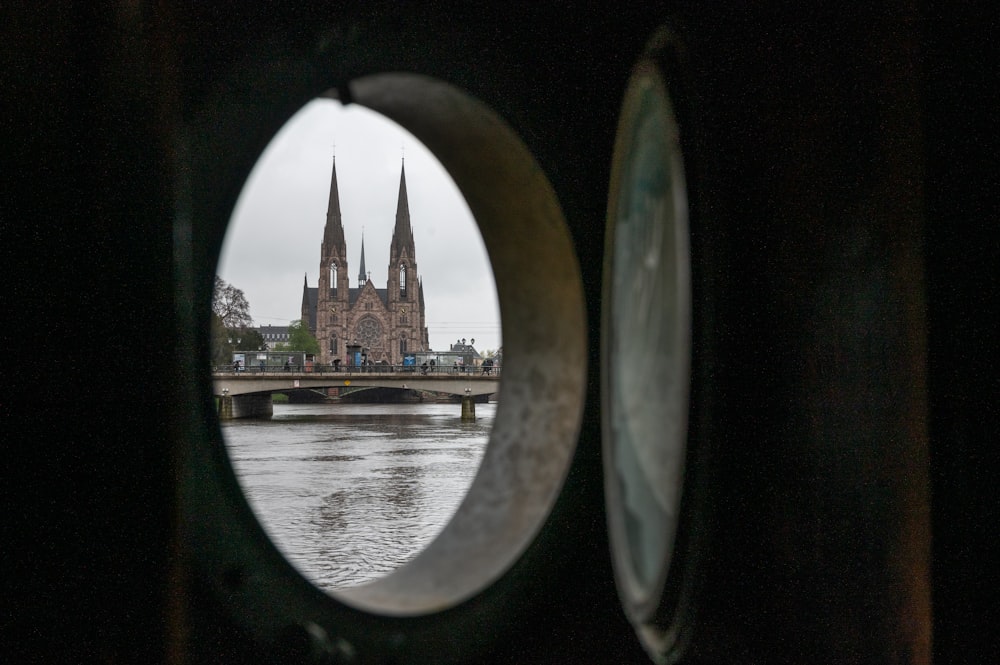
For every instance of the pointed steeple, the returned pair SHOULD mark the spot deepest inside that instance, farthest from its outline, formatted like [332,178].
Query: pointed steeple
[308,308]
[333,233]
[402,235]
[332,288]
[362,276]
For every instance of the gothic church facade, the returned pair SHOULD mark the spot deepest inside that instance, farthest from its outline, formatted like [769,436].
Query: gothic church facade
[389,322]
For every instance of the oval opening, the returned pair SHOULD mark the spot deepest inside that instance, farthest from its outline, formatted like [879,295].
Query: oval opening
[653,474]
[352,474]
[541,396]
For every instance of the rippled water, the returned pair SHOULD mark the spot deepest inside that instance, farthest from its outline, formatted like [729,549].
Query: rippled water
[349,492]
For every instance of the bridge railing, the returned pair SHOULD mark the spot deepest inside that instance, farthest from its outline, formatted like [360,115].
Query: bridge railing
[344,370]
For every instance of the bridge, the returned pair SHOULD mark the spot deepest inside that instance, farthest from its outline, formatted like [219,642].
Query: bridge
[247,393]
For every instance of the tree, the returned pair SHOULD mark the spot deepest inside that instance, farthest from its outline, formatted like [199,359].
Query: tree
[230,305]
[231,323]
[222,348]
[225,341]
[252,340]
[299,339]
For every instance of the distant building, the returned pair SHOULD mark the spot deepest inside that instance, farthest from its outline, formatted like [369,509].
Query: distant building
[273,335]
[389,323]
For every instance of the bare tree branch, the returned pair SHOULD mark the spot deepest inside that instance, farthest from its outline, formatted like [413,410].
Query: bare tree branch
[230,305]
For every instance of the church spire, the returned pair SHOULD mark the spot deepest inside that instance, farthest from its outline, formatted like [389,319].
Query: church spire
[333,233]
[402,235]
[362,276]
[332,285]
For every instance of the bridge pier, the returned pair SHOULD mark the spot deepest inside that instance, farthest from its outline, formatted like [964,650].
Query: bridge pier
[245,406]
[225,407]
[468,407]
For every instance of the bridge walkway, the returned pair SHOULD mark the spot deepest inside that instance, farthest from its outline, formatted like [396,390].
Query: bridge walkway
[227,381]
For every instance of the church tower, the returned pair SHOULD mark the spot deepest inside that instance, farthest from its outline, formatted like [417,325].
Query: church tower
[405,294]
[332,296]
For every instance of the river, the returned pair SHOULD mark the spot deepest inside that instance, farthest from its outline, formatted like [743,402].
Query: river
[349,492]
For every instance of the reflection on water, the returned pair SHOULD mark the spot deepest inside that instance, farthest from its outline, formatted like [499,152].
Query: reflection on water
[349,492]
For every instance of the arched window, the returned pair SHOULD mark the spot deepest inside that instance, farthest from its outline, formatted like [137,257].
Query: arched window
[402,280]
[333,277]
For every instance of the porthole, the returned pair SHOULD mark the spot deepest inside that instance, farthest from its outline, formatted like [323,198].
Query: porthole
[350,482]
[646,354]
[536,426]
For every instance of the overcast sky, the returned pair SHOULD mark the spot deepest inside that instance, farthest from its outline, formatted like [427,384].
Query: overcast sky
[276,229]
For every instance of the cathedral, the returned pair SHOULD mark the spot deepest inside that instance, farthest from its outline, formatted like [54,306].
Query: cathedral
[388,323]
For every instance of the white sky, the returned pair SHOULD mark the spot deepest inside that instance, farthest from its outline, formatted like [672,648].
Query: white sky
[276,229]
